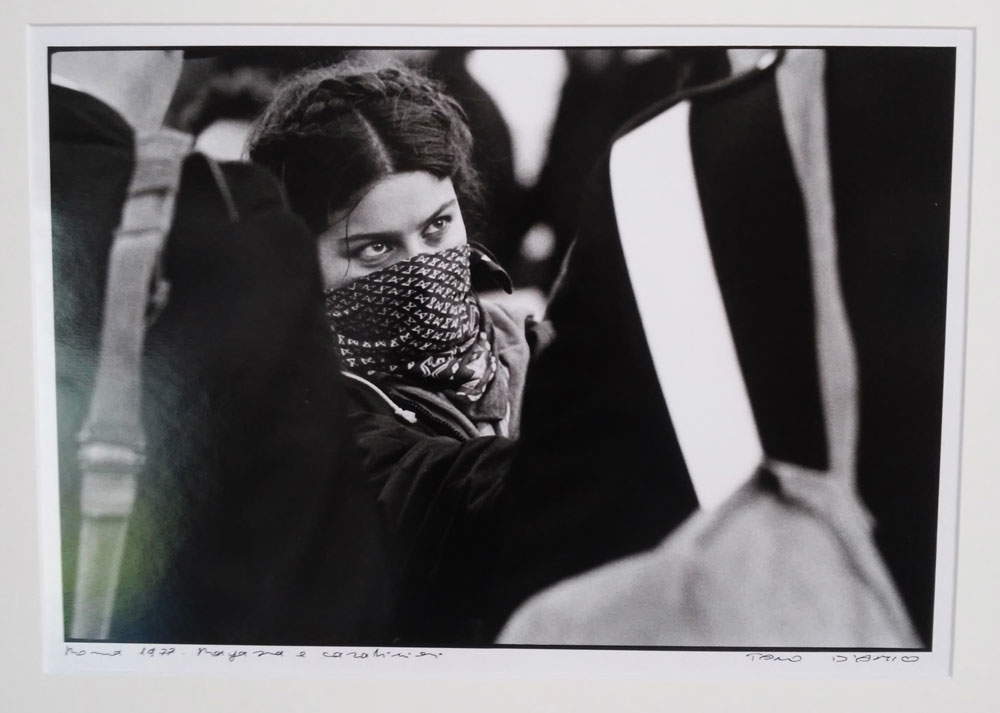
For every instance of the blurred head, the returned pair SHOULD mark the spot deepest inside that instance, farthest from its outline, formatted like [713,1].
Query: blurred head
[376,160]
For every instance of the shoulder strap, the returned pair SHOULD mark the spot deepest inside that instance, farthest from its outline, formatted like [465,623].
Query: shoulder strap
[802,100]
[112,442]
[677,292]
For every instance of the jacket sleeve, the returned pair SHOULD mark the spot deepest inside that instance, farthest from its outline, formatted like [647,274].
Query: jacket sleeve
[440,499]
[431,489]
[598,473]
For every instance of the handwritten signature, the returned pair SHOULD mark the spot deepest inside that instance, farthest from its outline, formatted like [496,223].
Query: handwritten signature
[836,658]
[795,658]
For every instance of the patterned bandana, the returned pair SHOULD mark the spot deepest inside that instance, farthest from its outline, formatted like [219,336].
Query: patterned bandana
[419,321]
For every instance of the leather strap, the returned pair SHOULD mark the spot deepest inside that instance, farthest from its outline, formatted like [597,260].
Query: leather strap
[112,442]
[801,95]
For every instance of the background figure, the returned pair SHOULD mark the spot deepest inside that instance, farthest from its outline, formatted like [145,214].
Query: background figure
[604,88]
[503,220]
[250,523]
[224,109]
[221,92]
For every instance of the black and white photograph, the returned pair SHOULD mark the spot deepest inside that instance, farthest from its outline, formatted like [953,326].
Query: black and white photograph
[431,348]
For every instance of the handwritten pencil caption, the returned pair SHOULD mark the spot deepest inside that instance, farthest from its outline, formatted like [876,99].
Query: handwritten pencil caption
[233,655]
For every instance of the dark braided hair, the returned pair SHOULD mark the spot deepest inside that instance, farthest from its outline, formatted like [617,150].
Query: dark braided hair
[331,132]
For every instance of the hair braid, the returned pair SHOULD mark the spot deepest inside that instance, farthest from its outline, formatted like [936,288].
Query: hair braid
[348,125]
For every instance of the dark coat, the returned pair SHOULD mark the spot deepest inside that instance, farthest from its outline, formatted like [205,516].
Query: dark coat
[439,489]
[788,559]
[576,508]
[252,524]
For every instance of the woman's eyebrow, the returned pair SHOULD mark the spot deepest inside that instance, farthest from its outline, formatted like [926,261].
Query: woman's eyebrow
[389,234]
[368,237]
[444,206]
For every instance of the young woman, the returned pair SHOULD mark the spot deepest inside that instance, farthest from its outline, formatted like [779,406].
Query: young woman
[378,163]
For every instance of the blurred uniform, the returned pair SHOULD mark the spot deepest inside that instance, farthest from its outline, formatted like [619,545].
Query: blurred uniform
[251,523]
[888,115]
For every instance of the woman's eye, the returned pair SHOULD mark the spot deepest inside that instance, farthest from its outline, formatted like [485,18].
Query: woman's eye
[438,225]
[374,251]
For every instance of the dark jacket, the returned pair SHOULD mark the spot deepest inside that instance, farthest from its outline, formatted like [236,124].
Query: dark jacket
[788,559]
[252,524]
[438,482]
[627,488]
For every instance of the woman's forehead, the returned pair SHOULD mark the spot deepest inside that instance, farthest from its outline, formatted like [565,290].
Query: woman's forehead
[400,202]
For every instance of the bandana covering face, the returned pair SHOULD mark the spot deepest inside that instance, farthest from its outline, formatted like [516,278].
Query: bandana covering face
[419,321]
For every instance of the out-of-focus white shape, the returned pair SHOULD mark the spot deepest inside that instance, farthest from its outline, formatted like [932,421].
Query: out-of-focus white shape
[670,264]
[224,140]
[747,59]
[638,55]
[538,243]
[526,86]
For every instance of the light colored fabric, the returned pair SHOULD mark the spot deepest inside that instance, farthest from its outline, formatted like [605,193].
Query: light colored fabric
[112,440]
[803,113]
[512,351]
[767,568]
[680,303]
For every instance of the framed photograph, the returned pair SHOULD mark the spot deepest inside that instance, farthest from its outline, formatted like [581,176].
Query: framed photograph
[396,351]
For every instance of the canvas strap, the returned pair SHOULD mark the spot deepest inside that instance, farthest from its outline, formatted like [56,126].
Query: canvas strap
[111,441]
[677,291]
[801,96]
